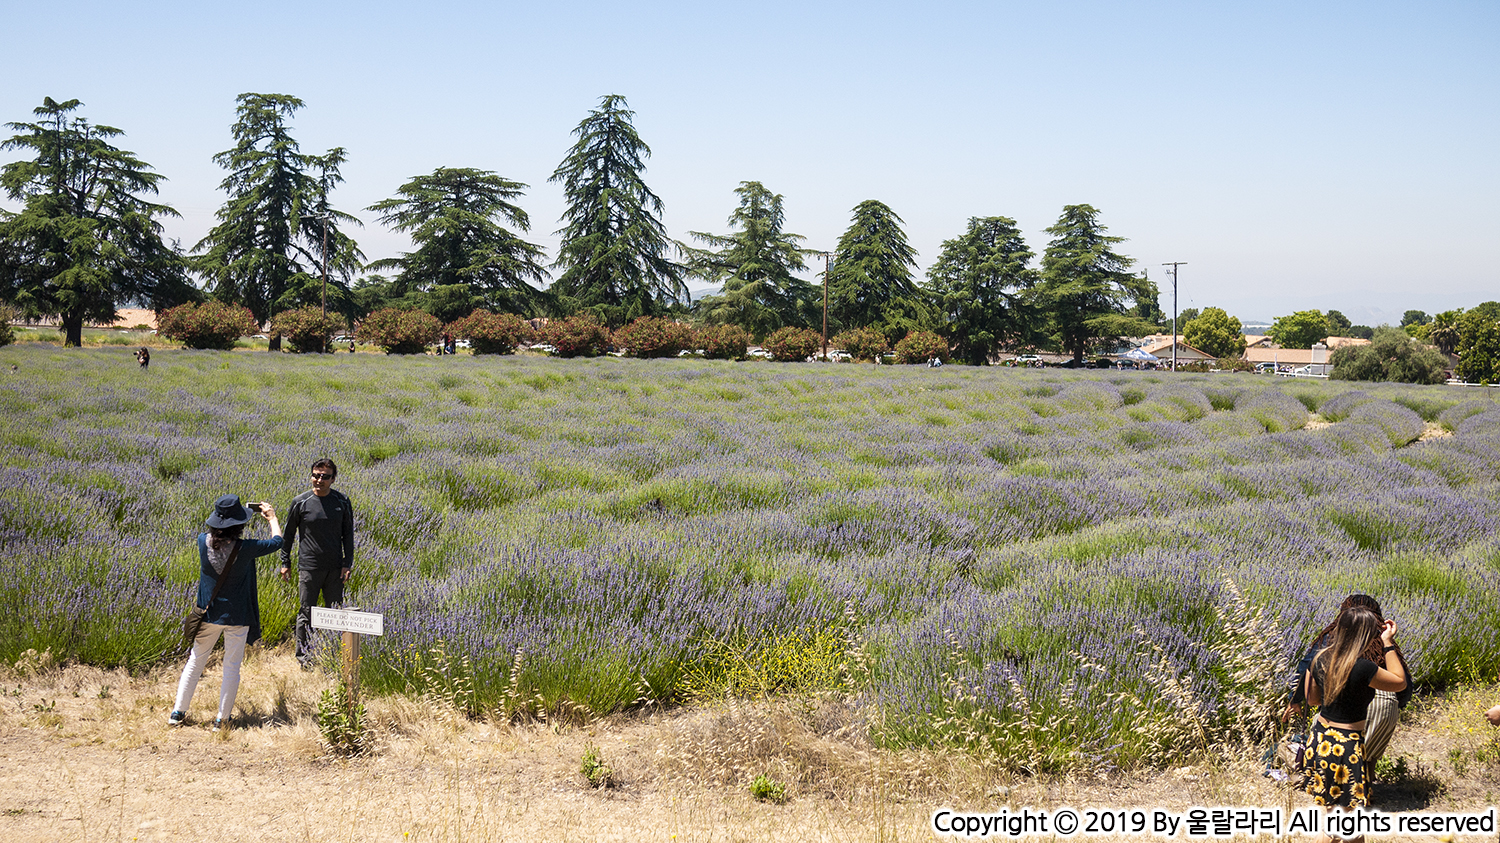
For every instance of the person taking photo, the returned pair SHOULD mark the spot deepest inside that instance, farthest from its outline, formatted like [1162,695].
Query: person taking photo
[233,605]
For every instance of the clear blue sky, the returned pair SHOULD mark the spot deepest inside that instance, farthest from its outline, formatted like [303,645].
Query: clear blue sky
[1295,154]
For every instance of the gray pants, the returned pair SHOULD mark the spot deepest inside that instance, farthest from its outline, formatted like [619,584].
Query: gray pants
[327,582]
[1380,723]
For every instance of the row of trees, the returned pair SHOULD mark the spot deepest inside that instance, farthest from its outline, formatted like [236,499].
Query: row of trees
[981,293]
[88,240]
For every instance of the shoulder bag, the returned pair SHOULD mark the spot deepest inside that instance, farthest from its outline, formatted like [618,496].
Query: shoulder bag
[194,620]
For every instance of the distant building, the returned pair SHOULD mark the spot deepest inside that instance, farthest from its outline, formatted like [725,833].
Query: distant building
[1160,345]
[1260,349]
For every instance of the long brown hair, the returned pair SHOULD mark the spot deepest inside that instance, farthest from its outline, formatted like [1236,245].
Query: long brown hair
[1353,630]
[1374,652]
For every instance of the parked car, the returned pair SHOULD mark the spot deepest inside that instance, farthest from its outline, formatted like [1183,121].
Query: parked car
[1264,368]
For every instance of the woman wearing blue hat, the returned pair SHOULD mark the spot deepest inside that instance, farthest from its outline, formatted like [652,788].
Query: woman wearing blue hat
[226,588]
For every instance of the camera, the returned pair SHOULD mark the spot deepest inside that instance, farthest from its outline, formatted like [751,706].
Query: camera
[255,508]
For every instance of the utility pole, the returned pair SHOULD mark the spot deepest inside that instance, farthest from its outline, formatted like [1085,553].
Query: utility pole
[1174,265]
[325,267]
[323,213]
[827,268]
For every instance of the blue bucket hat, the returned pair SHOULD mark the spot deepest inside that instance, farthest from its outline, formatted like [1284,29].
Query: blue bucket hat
[228,512]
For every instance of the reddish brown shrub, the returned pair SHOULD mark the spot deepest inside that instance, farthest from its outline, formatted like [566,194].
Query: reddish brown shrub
[211,324]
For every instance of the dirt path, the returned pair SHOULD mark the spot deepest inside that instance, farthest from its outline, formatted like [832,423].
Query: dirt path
[85,755]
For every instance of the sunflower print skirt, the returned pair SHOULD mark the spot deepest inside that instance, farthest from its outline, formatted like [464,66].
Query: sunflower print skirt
[1334,774]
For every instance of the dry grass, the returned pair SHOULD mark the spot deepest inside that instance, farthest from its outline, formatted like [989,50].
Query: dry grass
[87,756]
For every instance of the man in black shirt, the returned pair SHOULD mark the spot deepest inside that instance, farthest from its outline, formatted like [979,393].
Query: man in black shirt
[321,522]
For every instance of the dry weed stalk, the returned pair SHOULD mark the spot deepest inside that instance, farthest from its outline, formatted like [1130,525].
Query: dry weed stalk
[1033,744]
[1180,724]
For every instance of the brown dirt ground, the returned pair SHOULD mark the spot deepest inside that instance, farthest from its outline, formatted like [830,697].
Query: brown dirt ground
[86,755]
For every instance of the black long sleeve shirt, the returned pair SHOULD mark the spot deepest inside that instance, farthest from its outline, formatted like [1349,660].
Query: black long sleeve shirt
[323,529]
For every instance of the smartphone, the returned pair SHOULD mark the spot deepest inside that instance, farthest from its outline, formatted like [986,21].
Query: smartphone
[255,508]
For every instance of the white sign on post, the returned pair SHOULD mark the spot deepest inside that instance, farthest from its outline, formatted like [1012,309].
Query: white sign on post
[348,620]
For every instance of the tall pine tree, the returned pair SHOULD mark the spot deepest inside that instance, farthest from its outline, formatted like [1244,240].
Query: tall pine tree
[613,255]
[456,218]
[86,240]
[754,265]
[981,282]
[870,285]
[1087,290]
[267,250]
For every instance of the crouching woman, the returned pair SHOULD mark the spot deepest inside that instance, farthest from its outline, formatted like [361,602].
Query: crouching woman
[1342,683]
[233,605]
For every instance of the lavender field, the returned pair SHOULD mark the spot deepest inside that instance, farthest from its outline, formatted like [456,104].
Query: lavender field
[1000,547]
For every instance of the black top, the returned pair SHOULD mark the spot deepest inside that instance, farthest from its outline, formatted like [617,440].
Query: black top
[1298,696]
[1354,702]
[323,529]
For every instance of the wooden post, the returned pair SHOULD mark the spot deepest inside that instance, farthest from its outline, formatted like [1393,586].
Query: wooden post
[350,653]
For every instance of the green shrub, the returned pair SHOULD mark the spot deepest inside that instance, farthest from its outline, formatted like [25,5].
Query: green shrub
[342,723]
[400,331]
[723,342]
[921,346]
[654,336]
[492,333]
[862,343]
[594,770]
[793,345]
[576,336]
[766,789]
[1391,356]
[211,324]
[307,328]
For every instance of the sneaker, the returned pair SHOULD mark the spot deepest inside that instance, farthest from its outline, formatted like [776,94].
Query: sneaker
[220,723]
[177,718]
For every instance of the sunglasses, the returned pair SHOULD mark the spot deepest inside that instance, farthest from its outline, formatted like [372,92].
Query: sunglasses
[317,476]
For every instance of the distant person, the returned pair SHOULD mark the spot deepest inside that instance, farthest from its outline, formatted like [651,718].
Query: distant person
[351,346]
[1342,682]
[1384,711]
[233,606]
[143,357]
[321,522]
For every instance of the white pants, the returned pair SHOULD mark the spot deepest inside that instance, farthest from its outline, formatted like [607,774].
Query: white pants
[234,654]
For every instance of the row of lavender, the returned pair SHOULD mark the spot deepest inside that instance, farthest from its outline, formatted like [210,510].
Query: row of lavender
[616,521]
